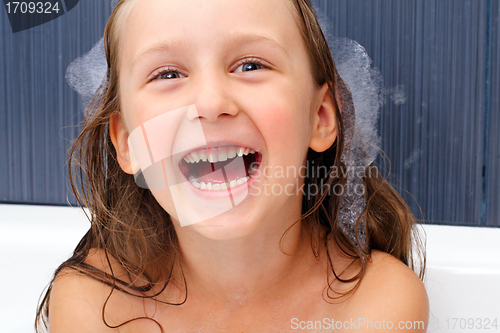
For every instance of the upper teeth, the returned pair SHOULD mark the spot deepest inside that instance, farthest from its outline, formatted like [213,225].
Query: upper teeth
[217,154]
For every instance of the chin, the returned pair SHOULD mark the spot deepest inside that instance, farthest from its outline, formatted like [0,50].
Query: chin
[227,226]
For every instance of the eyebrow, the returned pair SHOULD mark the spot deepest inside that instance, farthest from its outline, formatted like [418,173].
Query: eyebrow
[237,39]
[248,39]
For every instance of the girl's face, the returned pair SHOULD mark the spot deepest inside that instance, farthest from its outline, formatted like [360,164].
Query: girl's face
[244,66]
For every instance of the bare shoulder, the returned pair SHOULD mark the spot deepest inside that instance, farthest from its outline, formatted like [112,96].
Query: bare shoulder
[77,301]
[385,267]
[390,291]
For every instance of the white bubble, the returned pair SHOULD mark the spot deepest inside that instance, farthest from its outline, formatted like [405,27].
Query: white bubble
[414,156]
[397,94]
[360,116]
[366,84]
[86,73]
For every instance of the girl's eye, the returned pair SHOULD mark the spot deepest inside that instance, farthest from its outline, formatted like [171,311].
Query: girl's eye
[170,75]
[166,74]
[249,65]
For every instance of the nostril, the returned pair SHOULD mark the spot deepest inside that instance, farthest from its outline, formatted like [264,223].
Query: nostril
[211,110]
[212,117]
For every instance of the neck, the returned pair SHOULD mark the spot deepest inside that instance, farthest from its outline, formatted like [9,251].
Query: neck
[251,267]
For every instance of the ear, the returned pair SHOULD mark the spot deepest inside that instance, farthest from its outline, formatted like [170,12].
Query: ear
[119,137]
[324,122]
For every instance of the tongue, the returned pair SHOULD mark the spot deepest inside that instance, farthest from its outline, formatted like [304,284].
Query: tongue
[222,172]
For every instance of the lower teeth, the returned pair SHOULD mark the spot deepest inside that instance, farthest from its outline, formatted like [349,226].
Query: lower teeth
[218,187]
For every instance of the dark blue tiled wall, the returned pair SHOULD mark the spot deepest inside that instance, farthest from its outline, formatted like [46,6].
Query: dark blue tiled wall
[440,60]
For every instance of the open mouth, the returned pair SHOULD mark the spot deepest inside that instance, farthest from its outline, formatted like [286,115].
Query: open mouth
[220,168]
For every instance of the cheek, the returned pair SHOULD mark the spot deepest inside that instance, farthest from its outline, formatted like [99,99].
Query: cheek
[284,124]
[284,119]
[138,110]
[139,106]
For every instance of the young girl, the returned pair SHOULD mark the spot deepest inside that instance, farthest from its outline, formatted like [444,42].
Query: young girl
[246,247]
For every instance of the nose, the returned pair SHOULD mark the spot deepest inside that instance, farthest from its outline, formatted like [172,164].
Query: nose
[212,96]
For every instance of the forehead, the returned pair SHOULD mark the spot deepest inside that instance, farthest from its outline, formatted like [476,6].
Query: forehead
[199,24]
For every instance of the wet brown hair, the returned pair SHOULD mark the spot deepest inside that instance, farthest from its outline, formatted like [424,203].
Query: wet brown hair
[130,226]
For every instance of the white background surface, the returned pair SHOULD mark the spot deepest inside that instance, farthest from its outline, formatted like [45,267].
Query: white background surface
[34,241]
[462,280]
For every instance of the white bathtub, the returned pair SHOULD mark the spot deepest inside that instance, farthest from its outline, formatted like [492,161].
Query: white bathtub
[463,267]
